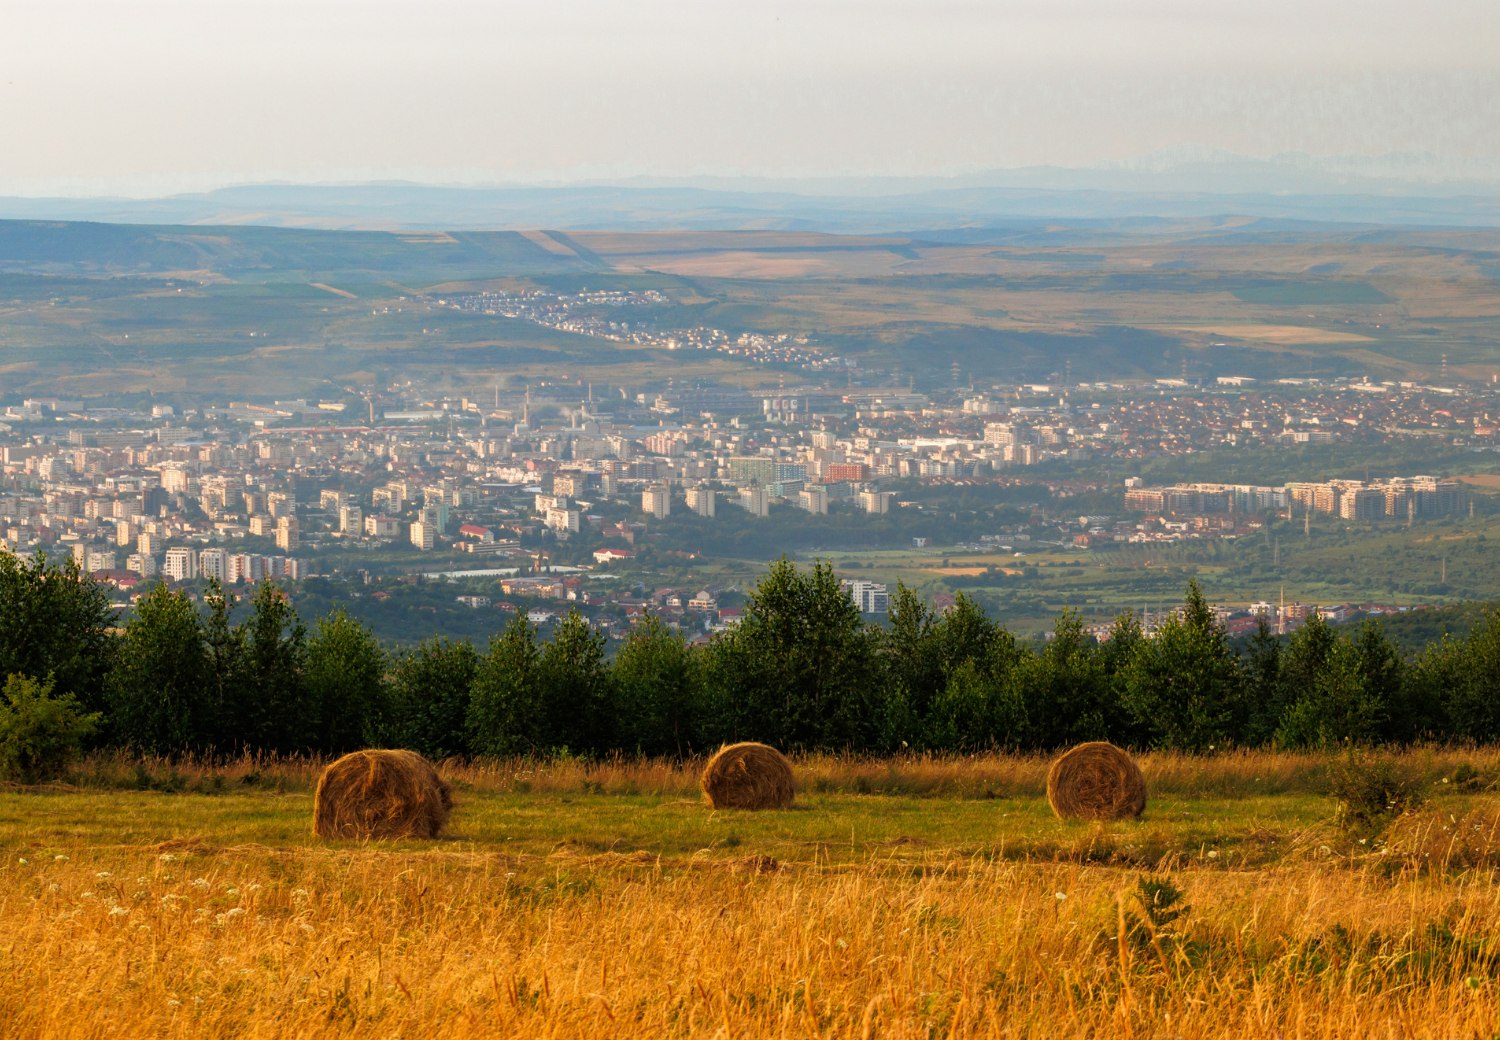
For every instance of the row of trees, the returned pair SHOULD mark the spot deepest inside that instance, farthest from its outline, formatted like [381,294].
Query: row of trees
[801,670]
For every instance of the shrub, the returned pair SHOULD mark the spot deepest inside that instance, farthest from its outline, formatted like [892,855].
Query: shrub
[1370,793]
[39,733]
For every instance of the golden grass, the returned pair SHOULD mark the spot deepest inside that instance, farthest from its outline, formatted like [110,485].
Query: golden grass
[448,939]
[191,942]
[1287,335]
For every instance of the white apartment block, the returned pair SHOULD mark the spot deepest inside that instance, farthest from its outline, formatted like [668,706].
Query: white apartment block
[564,519]
[288,534]
[181,564]
[814,499]
[656,500]
[423,535]
[214,563]
[99,560]
[382,527]
[755,500]
[870,597]
[702,500]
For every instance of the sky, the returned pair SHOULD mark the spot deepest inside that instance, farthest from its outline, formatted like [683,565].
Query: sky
[149,97]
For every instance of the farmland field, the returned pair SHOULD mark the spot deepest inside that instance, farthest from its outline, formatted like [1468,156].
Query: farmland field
[897,898]
[93,309]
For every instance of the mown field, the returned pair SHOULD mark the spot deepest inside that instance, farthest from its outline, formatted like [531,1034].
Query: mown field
[906,898]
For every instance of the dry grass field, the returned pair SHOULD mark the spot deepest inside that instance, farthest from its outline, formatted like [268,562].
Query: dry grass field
[914,898]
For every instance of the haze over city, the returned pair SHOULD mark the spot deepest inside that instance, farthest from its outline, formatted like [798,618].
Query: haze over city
[167,96]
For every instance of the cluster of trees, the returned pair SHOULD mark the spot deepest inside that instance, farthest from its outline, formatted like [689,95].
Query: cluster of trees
[801,670]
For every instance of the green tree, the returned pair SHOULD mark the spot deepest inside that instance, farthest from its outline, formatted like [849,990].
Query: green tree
[965,633]
[1065,689]
[506,715]
[799,670]
[158,688]
[1184,685]
[346,683]
[1264,689]
[1458,681]
[573,688]
[979,708]
[1382,672]
[1120,647]
[40,733]
[55,621]
[428,704]
[912,652]
[658,691]
[1333,707]
[275,713]
[227,681]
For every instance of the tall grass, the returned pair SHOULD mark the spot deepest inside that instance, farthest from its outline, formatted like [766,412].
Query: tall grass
[691,927]
[350,941]
[1230,774]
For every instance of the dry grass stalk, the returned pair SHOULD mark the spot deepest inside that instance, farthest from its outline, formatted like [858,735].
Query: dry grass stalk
[381,794]
[748,776]
[1096,781]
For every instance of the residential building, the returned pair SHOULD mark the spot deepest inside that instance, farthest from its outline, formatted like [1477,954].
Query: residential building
[181,564]
[657,500]
[870,597]
[423,535]
[702,500]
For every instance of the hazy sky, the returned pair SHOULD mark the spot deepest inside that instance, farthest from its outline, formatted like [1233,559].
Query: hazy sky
[151,96]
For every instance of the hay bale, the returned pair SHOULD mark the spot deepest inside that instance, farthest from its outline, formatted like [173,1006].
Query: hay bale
[748,776]
[1096,781]
[381,794]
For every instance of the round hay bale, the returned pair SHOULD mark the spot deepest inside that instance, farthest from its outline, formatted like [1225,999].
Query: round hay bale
[1096,781]
[748,776]
[381,794]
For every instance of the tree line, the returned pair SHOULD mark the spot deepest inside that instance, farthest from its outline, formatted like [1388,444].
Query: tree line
[802,670]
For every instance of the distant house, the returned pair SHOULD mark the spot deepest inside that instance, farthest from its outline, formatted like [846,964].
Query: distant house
[477,532]
[612,555]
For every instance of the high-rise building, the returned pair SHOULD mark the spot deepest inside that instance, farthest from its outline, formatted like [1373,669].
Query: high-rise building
[870,597]
[214,563]
[564,519]
[755,500]
[145,566]
[656,500]
[288,534]
[878,502]
[99,560]
[814,499]
[702,500]
[181,564]
[351,519]
[422,535]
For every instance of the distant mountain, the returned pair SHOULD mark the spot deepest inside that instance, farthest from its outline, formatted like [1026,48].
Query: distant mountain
[1360,191]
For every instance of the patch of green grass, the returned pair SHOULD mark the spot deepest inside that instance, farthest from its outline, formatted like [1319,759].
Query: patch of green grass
[830,829]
